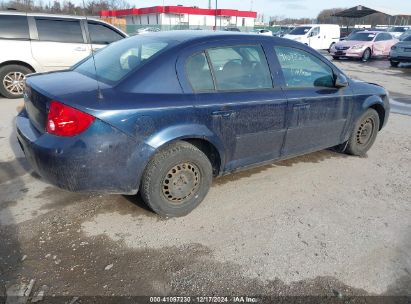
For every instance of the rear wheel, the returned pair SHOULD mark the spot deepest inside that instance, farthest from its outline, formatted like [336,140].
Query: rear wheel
[176,180]
[364,133]
[394,63]
[366,55]
[12,80]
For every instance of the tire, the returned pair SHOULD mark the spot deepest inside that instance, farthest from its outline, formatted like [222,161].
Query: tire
[10,73]
[329,48]
[366,56]
[336,57]
[394,63]
[364,133]
[176,180]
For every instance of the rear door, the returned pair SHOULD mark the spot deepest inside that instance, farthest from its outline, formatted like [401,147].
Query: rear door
[236,99]
[60,42]
[383,43]
[317,110]
[102,34]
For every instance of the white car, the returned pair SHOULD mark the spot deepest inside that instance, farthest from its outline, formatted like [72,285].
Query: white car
[397,31]
[264,32]
[317,36]
[31,43]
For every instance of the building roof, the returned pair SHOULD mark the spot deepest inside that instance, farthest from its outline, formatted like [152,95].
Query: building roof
[360,11]
[178,10]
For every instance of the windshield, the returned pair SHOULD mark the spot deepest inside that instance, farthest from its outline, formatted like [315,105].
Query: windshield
[117,60]
[397,29]
[361,37]
[300,30]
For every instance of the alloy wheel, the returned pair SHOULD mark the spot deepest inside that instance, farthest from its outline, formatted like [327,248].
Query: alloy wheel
[13,82]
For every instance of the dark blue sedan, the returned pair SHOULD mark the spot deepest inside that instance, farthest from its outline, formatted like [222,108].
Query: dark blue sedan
[165,112]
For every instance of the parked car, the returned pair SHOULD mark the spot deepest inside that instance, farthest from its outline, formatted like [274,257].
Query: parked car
[232,29]
[38,43]
[167,111]
[283,30]
[146,30]
[364,45]
[317,36]
[356,30]
[397,31]
[405,35]
[263,32]
[401,52]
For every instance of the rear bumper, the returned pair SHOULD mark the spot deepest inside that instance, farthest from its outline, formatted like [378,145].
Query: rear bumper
[102,159]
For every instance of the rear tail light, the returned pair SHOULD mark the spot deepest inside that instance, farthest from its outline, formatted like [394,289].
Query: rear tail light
[63,120]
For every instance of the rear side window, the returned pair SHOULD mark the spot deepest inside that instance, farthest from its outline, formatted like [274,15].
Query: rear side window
[303,70]
[59,30]
[102,34]
[198,73]
[14,27]
[383,37]
[240,68]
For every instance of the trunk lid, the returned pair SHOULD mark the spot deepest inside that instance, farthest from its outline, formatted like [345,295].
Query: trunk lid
[68,87]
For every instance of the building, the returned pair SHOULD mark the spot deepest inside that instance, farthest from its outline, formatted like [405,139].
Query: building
[181,17]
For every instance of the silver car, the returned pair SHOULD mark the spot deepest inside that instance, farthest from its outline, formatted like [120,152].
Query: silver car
[401,52]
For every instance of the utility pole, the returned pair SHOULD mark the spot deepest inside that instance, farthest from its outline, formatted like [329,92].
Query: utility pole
[215,19]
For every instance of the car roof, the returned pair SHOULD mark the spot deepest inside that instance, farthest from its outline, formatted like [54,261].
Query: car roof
[192,35]
[370,32]
[19,13]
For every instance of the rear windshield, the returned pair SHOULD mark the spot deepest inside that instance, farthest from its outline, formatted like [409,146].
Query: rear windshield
[301,30]
[362,37]
[117,60]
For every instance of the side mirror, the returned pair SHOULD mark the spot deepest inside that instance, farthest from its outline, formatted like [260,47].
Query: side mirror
[341,81]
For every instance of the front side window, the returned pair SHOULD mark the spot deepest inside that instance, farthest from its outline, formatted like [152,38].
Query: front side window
[119,59]
[198,73]
[240,68]
[102,34]
[14,27]
[303,70]
[59,30]
[315,31]
[362,36]
[383,37]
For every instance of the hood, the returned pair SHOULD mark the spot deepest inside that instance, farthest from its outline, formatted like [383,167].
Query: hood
[351,43]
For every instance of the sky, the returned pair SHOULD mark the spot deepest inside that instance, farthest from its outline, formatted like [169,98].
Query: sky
[287,8]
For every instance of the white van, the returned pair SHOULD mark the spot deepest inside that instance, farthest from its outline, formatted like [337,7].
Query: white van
[39,43]
[318,36]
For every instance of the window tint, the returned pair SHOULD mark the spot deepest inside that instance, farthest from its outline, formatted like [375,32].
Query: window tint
[315,31]
[198,73]
[240,68]
[59,30]
[302,70]
[102,34]
[14,27]
[117,60]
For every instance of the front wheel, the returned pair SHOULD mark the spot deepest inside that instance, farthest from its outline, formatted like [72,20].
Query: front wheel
[394,63]
[366,55]
[364,133]
[176,180]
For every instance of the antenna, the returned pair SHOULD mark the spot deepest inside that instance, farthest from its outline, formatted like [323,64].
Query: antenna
[99,94]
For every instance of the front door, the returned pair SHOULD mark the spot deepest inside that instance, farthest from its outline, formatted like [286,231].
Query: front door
[315,39]
[317,110]
[236,98]
[60,43]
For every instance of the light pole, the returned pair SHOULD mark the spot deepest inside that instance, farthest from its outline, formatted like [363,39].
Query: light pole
[215,17]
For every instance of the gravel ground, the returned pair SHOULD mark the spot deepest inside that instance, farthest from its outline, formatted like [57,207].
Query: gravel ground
[320,224]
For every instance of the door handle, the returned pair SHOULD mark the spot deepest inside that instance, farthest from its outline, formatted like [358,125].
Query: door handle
[80,49]
[224,114]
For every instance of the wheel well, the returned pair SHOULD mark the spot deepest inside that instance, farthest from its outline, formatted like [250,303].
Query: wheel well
[381,113]
[18,63]
[209,150]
